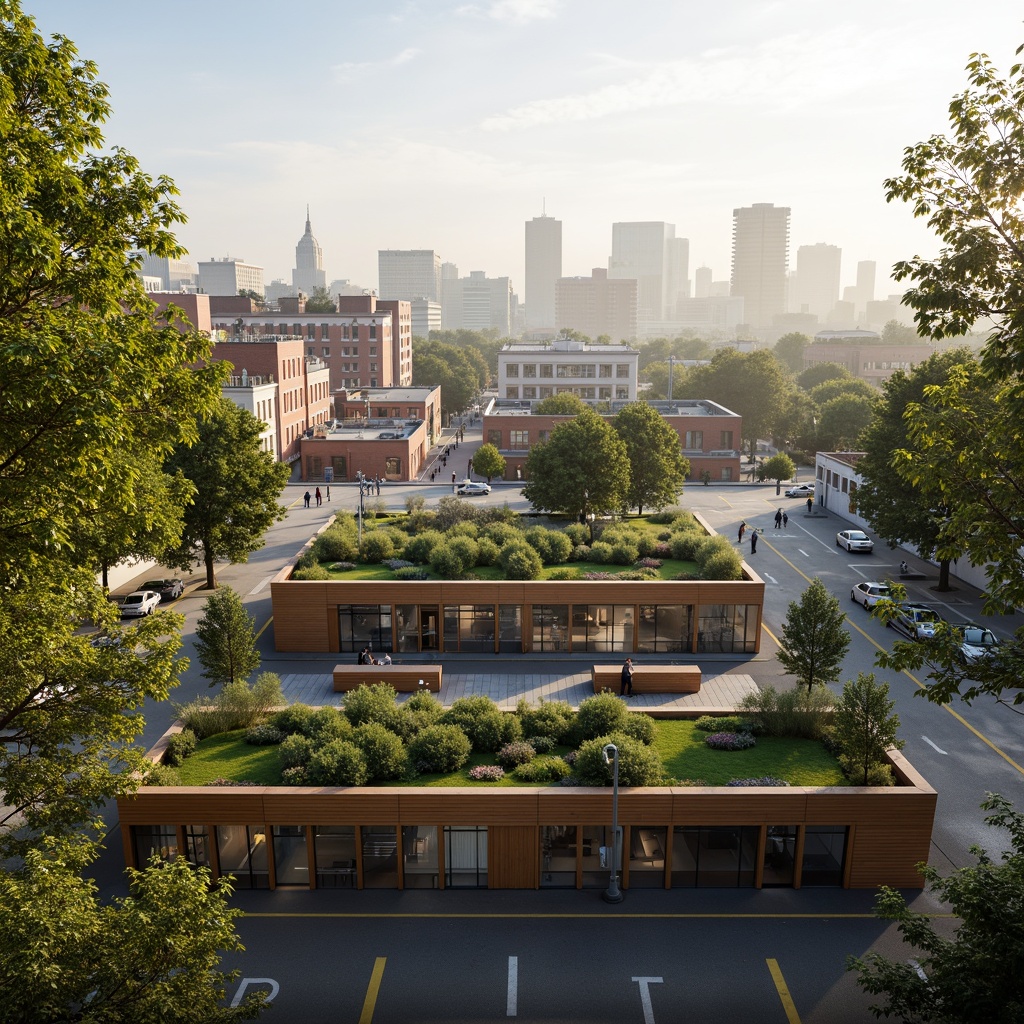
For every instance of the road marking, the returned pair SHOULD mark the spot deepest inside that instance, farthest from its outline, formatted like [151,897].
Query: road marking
[645,996]
[918,969]
[771,579]
[372,990]
[246,982]
[933,746]
[261,585]
[783,989]
[804,553]
[513,986]
[263,628]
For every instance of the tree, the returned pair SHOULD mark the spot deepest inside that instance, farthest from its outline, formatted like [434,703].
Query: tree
[581,470]
[789,350]
[237,487]
[840,387]
[864,727]
[320,301]
[821,372]
[814,641]
[489,462]
[896,333]
[778,468]
[973,977]
[565,404]
[657,466]
[70,709]
[457,371]
[87,366]
[226,639]
[149,957]
[842,421]
[908,507]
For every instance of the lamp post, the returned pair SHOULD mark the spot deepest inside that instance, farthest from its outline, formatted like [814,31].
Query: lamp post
[613,894]
[360,478]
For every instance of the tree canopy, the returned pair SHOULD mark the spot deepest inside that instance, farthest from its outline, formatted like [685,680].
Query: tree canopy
[657,466]
[226,639]
[489,462]
[789,350]
[320,301]
[565,404]
[814,640]
[460,372]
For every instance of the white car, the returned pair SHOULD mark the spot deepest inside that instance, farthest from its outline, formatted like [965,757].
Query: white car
[139,603]
[917,621]
[869,594]
[976,642]
[800,491]
[469,488]
[854,540]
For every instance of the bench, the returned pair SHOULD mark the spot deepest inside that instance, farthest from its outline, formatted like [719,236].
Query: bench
[648,678]
[404,678]
[913,576]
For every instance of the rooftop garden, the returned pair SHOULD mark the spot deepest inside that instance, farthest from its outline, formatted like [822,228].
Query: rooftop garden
[460,541]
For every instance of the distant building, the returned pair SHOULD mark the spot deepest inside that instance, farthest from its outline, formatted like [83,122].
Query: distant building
[543,269]
[258,395]
[343,286]
[426,317]
[174,275]
[649,253]
[308,274]
[278,289]
[477,303]
[713,313]
[230,276]
[864,354]
[195,307]
[596,373]
[815,288]
[702,277]
[597,305]
[408,274]
[880,311]
[401,336]
[760,256]
[865,287]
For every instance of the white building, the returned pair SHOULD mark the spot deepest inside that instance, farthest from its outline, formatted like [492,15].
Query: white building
[426,317]
[543,269]
[258,395]
[596,373]
[477,303]
[649,253]
[408,274]
[230,276]
[815,288]
[174,275]
[309,263]
[760,259]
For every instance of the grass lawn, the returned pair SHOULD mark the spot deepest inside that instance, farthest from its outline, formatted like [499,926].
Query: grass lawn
[669,570]
[681,747]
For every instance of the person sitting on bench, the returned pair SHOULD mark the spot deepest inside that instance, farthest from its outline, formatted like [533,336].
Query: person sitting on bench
[904,569]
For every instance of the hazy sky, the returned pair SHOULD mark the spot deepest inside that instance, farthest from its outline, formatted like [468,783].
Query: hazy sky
[446,125]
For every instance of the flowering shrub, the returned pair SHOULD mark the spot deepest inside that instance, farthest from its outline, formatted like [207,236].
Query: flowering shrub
[398,563]
[263,736]
[515,753]
[662,550]
[542,744]
[600,576]
[342,566]
[411,573]
[730,740]
[486,773]
[765,780]
[648,563]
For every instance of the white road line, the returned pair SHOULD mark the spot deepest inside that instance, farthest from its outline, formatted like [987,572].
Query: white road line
[804,553]
[933,746]
[774,582]
[513,986]
[918,969]
[261,585]
[645,997]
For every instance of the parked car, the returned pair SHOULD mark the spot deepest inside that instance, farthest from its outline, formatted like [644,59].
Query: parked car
[469,488]
[869,594]
[800,491]
[976,642]
[917,621]
[139,603]
[854,540]
[169,590]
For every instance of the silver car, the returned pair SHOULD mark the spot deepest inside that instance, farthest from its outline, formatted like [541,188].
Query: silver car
[854,540]
[917,621]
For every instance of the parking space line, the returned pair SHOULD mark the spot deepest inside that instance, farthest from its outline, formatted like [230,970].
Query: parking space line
[783,989]
[645,996]
[372,990]
[512,997]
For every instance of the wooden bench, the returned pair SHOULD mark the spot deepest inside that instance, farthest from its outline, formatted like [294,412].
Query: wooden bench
[404,678]
[913,576]
[648,678]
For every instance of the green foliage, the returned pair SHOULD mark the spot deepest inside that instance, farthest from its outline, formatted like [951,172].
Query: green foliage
[864,727]
[226,639]
[374,703]
[162,775]
[418,549]
[264,736]
[377,545]
[814,641]
[543,769]
[65,954]
[577,533]
[624,553]
[821,372]
[657,466]
[293,719]
[180,745]
[452,509]
[553,546]
[339,543]
[597,716]
[486,725]
[971,976]
[237,706]
[684,545]
[337,763]
[795,713]
[564,404]
[459,372]
[383,750]
[520,561]
[638,726]
[502,532]
[721,565]
[311,572]
[439,748]
[446,562]
[722,723]
[789,350]
[486,551]
[295,751]
[639,765]
[465,549]
[548,718]
[564,574]
[514,754]
[327,723]
[778,467]
[601,553]
[542,744]
[320,301]
[489,462]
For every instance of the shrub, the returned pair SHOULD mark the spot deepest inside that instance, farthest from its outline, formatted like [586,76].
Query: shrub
[180,745]
[326,724]
[295,776]
[597,716]
[418,548]
[577,533]
[439,748]
[237,706]
[414,503]
[486,773]
[543,769]
[646,544]
[486,551]
[263,736]
[292,719]
[661,551]
[482,721]
[685,522]
[878,774]
[721,565]
[600,553]
[412,574]
[304,561]
[501,533]
[625,553]
[798,712]
[552,545]
[564,573]
[466,549]
[383,751]
[338,763]
[452,510]
[542,744]
[295,750]
[342,566]
[684,546]
[377,546]
[394,564]
[580,553]
[639,727]
[764,780]
[466,529]
[336,545]
[513,754]
[447,562]
[311,572]
[374,703]
[520,562]
[723,723]
[550,718]
[638,765]
[649,563]
[730,740]
[666,516]
[162,775]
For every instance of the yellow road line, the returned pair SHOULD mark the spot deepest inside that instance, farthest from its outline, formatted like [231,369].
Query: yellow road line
[783,989]
[263,628]
[372,990]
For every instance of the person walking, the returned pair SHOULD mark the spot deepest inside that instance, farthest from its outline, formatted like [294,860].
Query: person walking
[305,498]
[453,481]
[753,541]
[810,506]
[785,520]
[742,530]
[378,487]
[778,519]
[626,686]
[319,498]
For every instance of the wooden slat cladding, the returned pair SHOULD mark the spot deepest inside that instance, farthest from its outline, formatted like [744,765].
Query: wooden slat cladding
[512,858]
[881,855]
[234,805]
[301,611]
[404,678]
[462,806]
[332,806]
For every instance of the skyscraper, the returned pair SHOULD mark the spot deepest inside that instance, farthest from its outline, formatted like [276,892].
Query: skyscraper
[409,274]
[865,285]
[650,254]
[816,288]
[543,269]
[309,263]
[760,255]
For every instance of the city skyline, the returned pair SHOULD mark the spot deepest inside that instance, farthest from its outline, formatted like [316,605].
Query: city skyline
[448,126]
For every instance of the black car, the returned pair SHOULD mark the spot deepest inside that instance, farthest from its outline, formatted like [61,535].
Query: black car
[168,590]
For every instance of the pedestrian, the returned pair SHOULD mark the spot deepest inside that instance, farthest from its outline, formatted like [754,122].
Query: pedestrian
[328,492]
[785,520]
[305,498]
[778,519]
[362,656]
[626,686]
[742,530]
[444,461]
[319,498]
[432,472]
[469,468]
[453,479]
[810,506]
[378,487]
[753,541]
[386,660]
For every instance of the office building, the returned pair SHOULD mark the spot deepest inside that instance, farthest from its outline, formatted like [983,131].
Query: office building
[596,373]
[409,274]
[174,275]
[815,288]
[760,258]
[230,276]
[649,253]
[426,317]
[543,269]
[597,305]
[477,303]
[308,274]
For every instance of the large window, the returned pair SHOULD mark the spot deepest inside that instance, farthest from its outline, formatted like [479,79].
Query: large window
[334,848]
[550,627]
[154,840]
[362,625]
[291,864]
[727,628]
[558,856]
[511,369]
[694,440]
[545,369]
[494,437]
[510,629]
[242,851]
[519,440]
[529,369]
[647,856]
[197,846]
[726,439]
[605,370]
[407,632]
[824,854]
[465,856]
[714,855]
[380,856]
[596,856]
[622,370]
[602,627]
[469,628]
[779,855]
[665,628]
[419,856]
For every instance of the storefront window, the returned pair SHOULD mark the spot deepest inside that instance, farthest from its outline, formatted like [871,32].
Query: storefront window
[197,845]
[647,856]
[334,847]
[510,629]
[558,856]
[727,628]
[291,865]
[465,856]
[550,627]
[665,628]
[361,625]
[419,856]
[154,840]
[242,852]
[601,627]
[380,856]
[824,855]
[469,628]
[596,856]
[779,855]
[721,856]
[407,629]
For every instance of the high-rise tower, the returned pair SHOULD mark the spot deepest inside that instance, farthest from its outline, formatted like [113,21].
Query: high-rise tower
[543,269]
[816,288]
[760,257]
[309,263]
[649,253]
[409,274]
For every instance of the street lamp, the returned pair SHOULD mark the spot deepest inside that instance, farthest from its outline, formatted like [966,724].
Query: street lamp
[613,894]
[361,479]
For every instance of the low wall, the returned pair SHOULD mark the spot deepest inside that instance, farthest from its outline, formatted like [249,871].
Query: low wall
[404,678]
[648,678]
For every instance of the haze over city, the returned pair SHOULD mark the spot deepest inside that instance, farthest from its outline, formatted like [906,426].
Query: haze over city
[447,125]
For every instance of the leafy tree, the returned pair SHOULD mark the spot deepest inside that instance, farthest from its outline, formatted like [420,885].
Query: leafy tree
[821,372]
[896,333]
[842,420]
[458,372]
[911,506]
[789,350]
[320,301]
[566,403]
[840,387]
[226,639]
[87,366]
[237,486]
[582,469]
[778,468]
[148,957]
[972,977]
[67,727]
[814,641]
[657,466]
[864,727]
[489,462]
